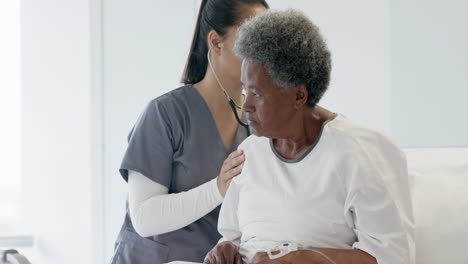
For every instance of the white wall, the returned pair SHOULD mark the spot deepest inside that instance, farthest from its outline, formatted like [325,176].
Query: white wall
[56,107]
[146,44]
[430,72]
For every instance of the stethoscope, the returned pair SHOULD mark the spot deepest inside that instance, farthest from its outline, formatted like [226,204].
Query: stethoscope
[231,102]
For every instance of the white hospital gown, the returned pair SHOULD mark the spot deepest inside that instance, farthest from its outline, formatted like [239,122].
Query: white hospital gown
[350,190]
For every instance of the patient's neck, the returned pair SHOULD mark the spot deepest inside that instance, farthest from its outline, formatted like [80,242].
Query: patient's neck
[303,133]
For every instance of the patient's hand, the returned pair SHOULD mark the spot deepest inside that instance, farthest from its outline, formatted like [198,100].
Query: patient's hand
[224,253]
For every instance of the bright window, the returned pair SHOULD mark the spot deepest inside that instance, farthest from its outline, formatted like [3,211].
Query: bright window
[10,116]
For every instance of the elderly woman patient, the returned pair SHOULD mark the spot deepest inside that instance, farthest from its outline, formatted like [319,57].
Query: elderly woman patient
[312,178]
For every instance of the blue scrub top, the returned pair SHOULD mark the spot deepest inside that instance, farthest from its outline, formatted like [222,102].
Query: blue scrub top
[176,143]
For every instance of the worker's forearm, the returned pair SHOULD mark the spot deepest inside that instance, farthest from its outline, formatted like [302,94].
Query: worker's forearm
[149,200]
[339,256]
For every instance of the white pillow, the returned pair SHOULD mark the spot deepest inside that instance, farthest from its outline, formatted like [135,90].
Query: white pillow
[439,186]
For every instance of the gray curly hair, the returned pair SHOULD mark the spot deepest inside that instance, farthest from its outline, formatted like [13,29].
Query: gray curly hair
[291,49]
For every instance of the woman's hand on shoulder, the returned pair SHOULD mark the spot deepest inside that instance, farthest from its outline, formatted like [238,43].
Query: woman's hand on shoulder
[232,167]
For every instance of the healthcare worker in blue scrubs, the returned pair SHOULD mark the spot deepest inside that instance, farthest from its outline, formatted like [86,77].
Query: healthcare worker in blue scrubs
[181,152]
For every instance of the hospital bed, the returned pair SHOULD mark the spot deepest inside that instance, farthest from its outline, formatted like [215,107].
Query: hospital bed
[12,256]
[439,189]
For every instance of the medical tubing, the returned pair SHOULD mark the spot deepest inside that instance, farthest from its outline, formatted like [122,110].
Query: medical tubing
[322,254]
[288,247]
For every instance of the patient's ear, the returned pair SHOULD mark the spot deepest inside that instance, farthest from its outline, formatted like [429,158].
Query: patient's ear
[301,96]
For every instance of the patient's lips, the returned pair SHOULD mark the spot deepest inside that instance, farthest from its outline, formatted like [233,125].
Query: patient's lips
[251,122]
[250,118]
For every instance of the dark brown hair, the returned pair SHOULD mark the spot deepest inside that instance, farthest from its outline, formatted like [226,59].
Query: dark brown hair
[216,15]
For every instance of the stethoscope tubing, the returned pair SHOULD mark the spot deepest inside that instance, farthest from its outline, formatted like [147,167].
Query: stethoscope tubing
[234,110]
[231,102]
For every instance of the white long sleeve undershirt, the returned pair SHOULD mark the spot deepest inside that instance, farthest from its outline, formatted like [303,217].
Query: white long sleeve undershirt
[154,211]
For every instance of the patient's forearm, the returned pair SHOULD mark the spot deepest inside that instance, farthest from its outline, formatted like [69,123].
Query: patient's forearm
[339,256]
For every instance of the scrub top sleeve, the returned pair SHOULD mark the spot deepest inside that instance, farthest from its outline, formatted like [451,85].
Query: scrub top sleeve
[150,150]
[375,207]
